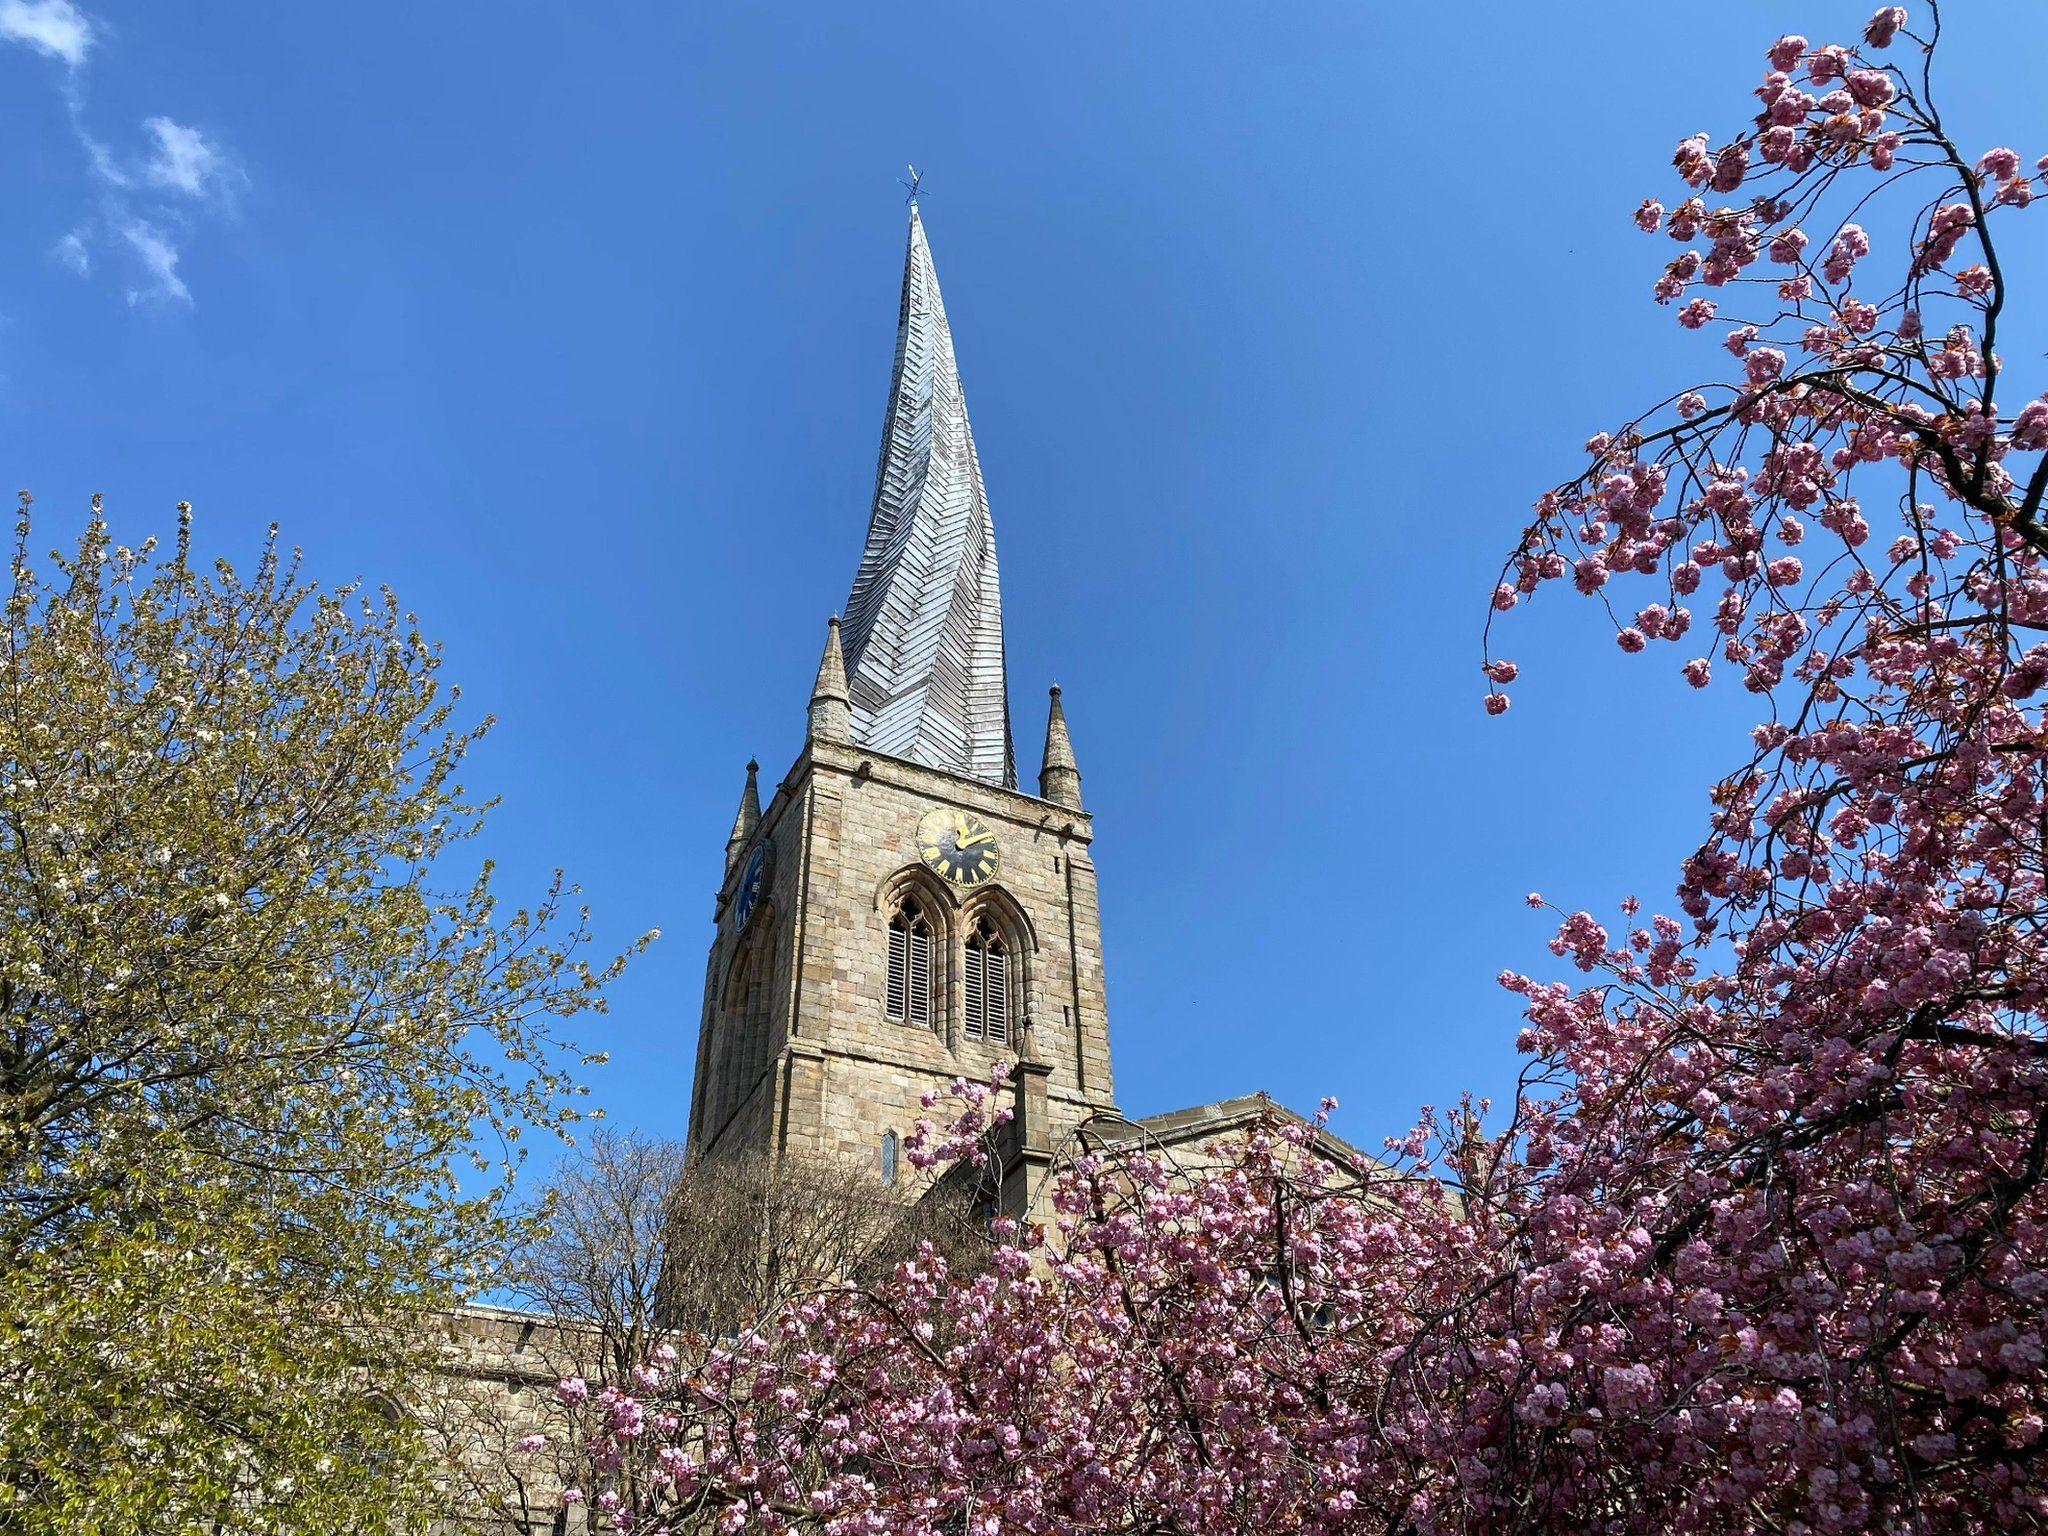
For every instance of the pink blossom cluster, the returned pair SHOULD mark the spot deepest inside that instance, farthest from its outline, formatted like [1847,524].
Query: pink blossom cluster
[1177,1350]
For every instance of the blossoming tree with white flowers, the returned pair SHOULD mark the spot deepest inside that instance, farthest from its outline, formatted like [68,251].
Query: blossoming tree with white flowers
[247,1034]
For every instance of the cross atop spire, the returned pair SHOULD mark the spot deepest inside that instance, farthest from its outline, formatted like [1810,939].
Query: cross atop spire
[923,636]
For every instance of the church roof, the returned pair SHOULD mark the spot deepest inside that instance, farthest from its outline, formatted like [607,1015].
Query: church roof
[1201,1124]
[923,635]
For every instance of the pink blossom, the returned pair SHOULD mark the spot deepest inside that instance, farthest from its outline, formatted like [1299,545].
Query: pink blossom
[1872,87]
[1691,404]
[2030,427]
[1786,246]
[1786,52]
[1694,164]
[1958,358]
[1763,365]
[1496,703]
[1649,215]
[1696,314]
[2001,163]
[1849,247]
[1501,671]
[1884,26]
[1698,672]
[1945,231]
[1630,639]
[1825,64]
[1730,166]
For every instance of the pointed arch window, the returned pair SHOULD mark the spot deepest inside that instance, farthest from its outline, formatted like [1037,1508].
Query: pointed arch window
[910,965]
[888,1157]
[988,984]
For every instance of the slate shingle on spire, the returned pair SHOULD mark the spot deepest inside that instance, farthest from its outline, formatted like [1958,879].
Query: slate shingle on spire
[923,635]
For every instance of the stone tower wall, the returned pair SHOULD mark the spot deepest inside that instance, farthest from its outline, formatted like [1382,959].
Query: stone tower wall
[811,1062]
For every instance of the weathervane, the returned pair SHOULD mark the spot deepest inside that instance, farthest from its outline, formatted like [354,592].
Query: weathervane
[916,181]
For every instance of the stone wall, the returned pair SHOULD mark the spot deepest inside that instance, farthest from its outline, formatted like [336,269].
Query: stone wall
[496,1385]
[796,1050]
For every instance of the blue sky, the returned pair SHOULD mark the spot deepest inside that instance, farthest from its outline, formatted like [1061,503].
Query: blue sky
[574,327]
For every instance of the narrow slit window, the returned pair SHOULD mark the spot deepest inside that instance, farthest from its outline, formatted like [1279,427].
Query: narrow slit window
[888,1157]
[987,974]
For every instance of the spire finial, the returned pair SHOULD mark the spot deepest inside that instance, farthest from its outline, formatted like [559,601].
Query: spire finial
[831,705]
[916,181]
[1059,780]
[748,818]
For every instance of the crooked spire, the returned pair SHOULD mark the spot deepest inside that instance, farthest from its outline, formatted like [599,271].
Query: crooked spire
[923,635]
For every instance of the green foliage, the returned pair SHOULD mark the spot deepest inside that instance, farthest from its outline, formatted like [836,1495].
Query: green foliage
[246,1038]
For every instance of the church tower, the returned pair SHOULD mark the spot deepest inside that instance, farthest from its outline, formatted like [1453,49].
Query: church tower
[900,914]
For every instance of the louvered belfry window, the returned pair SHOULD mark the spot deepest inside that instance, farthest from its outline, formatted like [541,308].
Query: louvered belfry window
[988,985]
[910,966]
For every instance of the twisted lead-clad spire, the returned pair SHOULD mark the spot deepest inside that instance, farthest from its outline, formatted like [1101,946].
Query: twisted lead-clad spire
[923,635]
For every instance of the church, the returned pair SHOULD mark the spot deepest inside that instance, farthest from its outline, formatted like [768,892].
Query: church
[901,913]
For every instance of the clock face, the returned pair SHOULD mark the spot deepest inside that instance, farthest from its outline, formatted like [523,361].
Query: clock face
[958,847]
[750,887]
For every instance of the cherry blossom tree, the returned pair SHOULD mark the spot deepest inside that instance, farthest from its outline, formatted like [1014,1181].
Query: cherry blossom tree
[1760,1243]
[1182,1349]
[1779,1203]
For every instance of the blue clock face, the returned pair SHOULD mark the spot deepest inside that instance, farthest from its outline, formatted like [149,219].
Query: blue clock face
[750,887]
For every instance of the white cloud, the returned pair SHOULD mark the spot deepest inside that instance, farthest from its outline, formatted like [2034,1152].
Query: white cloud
[71,250]
[159,259]
[56,29]
[186,161]
[149,201]
[104,165]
